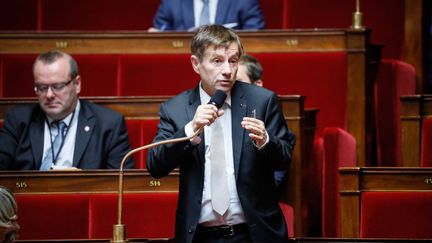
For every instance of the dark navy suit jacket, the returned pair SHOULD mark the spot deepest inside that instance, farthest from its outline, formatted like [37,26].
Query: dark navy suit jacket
[254,169]
[236,14]
[101,146]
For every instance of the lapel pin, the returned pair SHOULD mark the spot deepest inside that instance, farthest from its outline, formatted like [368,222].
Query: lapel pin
[86,128]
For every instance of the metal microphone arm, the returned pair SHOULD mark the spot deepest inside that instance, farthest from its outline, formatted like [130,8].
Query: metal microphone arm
[119,235]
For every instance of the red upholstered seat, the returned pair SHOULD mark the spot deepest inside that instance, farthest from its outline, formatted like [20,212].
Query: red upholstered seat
[99,74]
[53,216]
[396,215]
[321,77]
[146,215]
[141,133]
[288,212]
[156,74]
[395,78]
[426,143]
[339,151]
[90,216]
[135,133]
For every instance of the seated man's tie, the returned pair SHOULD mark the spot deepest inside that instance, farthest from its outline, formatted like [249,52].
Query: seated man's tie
[53,152]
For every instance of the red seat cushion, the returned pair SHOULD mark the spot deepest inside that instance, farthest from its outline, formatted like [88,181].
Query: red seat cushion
[53,216]
[395,78]
[339,151]
[146,215]
[396,215]
[288,212]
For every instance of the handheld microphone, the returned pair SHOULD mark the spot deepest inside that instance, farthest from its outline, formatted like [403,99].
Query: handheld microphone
[218,98]
[119,229]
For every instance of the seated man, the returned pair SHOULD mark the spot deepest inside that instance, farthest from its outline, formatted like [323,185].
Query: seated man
[250,71]
[187,15]
[62,131]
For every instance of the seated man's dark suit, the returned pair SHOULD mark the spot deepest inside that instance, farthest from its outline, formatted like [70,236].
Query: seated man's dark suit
[254,169]
[101,139]
[239,14]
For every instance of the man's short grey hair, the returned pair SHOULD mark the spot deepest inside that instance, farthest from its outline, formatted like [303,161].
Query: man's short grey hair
[216,35]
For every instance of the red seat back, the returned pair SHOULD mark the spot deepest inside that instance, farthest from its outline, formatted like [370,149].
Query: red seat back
[53,216]
[288,212]
[146,215]
[395,78]
[339,151]
[141,133]
[396,215]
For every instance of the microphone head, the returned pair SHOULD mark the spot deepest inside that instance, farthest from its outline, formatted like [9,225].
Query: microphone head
[218,98]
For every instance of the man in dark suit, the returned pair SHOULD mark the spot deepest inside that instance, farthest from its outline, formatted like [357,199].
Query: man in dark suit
[255,139]
[61,132]
[186,15]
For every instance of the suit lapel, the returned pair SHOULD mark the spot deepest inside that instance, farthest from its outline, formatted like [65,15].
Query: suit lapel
[222,11]
[188,15]
[194,102]
[36,133]
[238,108]
[85,129]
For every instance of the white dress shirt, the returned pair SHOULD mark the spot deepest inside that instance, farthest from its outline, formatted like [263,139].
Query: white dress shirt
[66,153]
[234,214]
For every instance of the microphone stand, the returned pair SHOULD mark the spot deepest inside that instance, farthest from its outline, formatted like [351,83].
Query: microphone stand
[119,229]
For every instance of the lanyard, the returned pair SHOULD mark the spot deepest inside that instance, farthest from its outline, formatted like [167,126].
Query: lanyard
[63,140]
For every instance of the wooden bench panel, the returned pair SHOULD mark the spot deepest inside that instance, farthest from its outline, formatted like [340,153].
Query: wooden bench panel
[358,180]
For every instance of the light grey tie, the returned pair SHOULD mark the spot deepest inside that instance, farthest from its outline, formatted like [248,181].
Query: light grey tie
[58,140]
[218,178]
[205,15]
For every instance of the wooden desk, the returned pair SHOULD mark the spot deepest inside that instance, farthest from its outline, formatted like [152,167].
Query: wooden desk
[361,58]
[354,181]
[86,181]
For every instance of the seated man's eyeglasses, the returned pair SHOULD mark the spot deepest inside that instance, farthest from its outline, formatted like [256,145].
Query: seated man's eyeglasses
[56,87]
